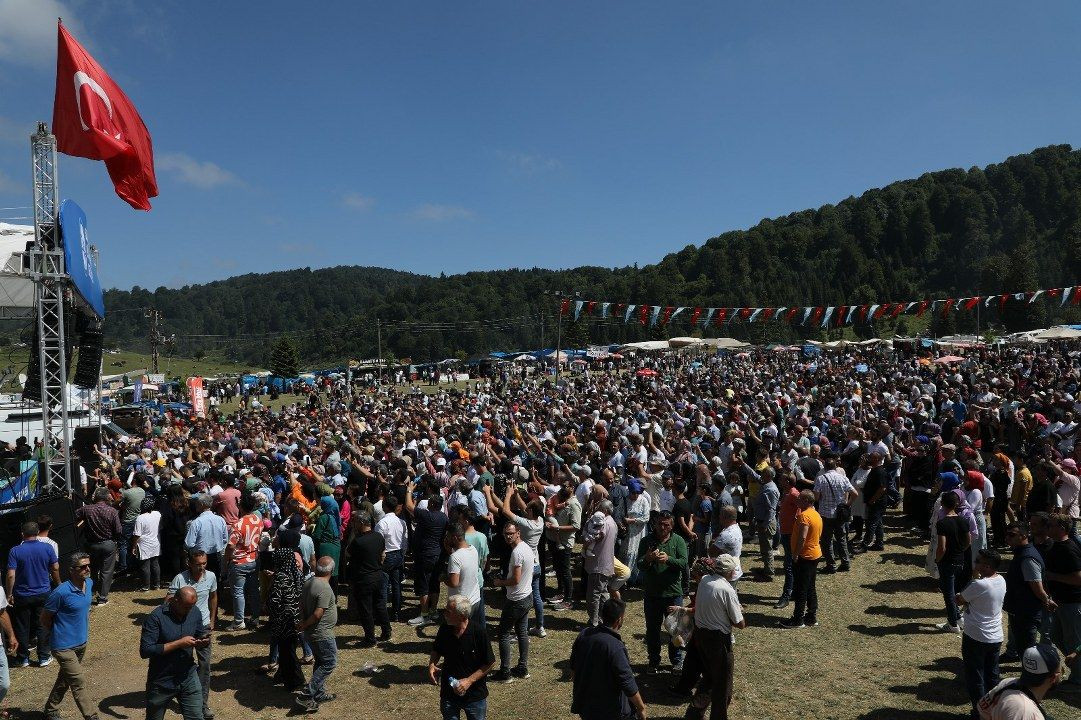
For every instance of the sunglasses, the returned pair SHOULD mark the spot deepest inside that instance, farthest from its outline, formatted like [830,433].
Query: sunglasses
[82,567]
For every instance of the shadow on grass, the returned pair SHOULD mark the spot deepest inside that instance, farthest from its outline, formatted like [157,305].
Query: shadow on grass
[151,602]
[893,586]
[910,628]
[903,613]
[900,558]
[112,705]
[389,675]
[894,713]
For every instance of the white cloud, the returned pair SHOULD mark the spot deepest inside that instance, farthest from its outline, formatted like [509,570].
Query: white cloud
[441,213]
[356,201]
[204,175]
[28,30]
[530,162]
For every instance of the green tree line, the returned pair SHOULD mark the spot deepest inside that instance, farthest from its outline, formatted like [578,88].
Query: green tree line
[1008,227]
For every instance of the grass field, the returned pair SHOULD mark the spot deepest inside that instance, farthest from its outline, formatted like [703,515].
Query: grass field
[875,656]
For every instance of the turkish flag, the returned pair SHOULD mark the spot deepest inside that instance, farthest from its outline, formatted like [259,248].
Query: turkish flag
[93,118]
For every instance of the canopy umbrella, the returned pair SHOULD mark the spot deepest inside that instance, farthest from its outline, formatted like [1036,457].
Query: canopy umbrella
[949,359]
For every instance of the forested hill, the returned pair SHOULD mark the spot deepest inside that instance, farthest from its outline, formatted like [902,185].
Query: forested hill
[1004,228]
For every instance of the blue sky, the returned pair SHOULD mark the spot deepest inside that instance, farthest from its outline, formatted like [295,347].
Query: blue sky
[451,136]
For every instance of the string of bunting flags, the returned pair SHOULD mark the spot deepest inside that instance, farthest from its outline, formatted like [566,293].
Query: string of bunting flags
[821,315]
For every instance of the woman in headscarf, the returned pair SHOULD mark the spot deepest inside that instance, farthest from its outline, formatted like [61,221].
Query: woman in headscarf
[328,534]
[284,613]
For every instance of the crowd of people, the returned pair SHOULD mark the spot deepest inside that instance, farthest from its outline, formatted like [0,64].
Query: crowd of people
[513,499]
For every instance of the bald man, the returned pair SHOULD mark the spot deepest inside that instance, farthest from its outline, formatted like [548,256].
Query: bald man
[169,635]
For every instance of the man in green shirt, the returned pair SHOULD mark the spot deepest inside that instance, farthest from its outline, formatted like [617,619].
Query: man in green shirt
[662,562]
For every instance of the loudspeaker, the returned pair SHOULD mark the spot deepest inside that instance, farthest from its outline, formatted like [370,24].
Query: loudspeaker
[58,507]
[88,367]
[83,441]
[32,386]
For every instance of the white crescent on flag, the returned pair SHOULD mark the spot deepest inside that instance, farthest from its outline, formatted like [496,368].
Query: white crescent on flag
[81,79]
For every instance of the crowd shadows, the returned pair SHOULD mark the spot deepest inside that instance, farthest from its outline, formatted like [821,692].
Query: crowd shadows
[895,586]
[903,613]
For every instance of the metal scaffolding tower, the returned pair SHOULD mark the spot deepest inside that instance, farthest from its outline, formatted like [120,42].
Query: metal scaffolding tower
[51,285]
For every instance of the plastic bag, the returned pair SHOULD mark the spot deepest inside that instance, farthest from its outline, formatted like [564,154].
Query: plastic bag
[678,624]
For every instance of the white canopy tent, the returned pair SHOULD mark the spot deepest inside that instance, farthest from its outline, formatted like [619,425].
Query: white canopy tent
[16,287]
[1058,333]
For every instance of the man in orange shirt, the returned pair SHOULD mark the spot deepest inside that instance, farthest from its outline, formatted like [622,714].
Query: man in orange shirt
[787,517]
[806,552]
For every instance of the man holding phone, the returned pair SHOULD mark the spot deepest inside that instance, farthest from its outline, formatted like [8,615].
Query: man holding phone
[169,635]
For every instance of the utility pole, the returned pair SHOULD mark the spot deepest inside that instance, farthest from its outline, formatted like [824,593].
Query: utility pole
[379,350]
[154,317]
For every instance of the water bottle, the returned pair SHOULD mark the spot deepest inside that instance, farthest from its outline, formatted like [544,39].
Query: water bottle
[453,682]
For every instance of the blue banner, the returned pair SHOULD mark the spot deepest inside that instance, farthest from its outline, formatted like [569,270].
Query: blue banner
[23,486]
[78,260]
[138,396]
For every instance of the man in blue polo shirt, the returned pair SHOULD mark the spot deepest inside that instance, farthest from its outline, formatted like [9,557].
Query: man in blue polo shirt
[32,572]
[67,617]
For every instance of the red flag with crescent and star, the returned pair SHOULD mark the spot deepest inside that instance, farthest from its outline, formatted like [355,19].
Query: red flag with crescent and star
[94,119]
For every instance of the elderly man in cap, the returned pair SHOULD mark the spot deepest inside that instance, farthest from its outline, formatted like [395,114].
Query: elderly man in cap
[716,612]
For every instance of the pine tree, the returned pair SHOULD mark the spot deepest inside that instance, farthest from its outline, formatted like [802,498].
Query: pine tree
[284,361]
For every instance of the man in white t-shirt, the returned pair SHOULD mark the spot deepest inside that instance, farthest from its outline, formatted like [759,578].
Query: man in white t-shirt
[392,528]
[729,540]
[982,599]
[463,571]
[514,620]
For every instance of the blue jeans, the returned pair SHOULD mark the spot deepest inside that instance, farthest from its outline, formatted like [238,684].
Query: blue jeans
[789,576]
[981,668]
[392,582]
[655,608]
[188,693]
[478,614]
[1023,630]
[872,534]
[538,601]
[5,678]
[514,620]
[326,659]
[453,707]
[245,583]
[947,583]
[124,553]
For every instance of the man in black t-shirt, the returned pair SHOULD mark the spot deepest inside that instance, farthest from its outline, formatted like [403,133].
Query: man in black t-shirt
[467,659]
[427,545]
[874,497]
[365,573]
[1062,578]
[954,537]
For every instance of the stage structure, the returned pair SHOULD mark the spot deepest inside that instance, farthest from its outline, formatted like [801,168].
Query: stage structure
[53,279]
[50,281]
